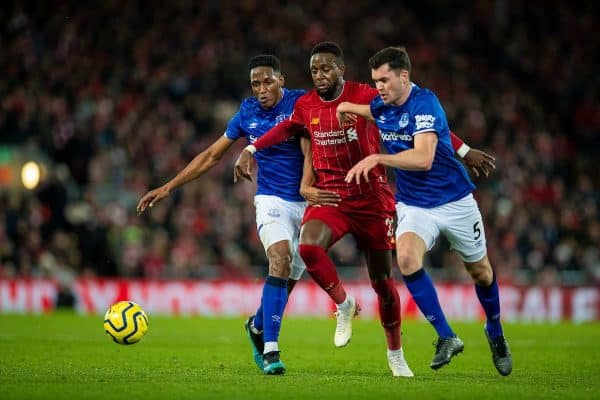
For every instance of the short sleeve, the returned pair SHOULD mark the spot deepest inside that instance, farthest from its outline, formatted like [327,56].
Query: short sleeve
[376,107]
[428,116]
[234,129]
[297,116]
[369,94]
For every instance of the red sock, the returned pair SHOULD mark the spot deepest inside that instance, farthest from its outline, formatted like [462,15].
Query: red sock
[322,270]
[389,311]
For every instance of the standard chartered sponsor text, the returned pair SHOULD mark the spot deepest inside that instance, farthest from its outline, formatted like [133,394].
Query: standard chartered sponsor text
[323,134]
[328,138]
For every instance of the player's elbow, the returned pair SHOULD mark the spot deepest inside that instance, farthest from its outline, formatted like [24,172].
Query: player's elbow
[213,157]
[425,164]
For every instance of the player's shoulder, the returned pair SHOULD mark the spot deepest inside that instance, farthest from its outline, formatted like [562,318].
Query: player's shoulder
[377,106]
[361,88]
[423,94]
[295,93]
[357,92]
[308,99]
[423,97]
[249,104]
[377,102]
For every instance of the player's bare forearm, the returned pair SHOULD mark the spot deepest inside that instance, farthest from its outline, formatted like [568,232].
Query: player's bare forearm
[308,173]
[191,171]
[313,195]
[195,168]
[409,160]
[345,109]
[419,158]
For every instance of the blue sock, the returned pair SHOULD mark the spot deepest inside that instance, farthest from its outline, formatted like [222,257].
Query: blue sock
[258,317]
[274,300]
[423,292]
[489,298]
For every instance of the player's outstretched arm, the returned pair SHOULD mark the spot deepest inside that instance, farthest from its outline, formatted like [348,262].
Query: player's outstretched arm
[477,161]
[198,166]
[314,196]
[346,111]
[419,158]
[245,163]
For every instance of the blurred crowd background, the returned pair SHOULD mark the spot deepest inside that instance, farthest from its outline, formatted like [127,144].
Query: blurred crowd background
[116,97]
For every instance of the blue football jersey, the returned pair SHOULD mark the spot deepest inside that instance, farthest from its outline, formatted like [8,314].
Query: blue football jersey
[447,180]
[279,166]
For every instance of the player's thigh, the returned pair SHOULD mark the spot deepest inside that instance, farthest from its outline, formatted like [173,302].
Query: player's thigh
[462,224]
[298,266]
[323,226]
[418,221]
[372,220]
[277,220]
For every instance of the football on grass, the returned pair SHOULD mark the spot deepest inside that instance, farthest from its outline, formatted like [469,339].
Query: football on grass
[125,322]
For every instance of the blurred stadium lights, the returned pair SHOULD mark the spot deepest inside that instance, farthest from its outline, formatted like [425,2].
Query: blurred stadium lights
[22,167]
[30,175]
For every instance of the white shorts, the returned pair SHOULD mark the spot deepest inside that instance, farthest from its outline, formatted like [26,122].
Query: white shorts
[277,220]
[459,221]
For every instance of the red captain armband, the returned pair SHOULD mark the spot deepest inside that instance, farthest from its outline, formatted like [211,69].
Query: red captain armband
[460,147]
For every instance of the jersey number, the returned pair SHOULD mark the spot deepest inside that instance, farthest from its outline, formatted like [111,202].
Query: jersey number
[476,230]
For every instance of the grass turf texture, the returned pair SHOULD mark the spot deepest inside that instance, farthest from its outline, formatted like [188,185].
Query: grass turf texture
[66,356]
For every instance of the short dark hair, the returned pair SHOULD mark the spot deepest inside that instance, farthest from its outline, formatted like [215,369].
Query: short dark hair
[395,57]
[329,47]
[265,60]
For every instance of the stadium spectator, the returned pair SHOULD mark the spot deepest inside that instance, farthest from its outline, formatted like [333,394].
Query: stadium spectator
[104,91]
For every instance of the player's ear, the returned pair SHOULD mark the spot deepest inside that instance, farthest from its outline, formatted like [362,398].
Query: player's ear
[281,80]
[406,74]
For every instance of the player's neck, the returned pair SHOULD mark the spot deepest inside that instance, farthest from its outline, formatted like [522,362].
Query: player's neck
[406,94]
[334,93]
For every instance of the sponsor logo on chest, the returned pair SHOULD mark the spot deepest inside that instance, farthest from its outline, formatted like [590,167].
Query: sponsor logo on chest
[394,136]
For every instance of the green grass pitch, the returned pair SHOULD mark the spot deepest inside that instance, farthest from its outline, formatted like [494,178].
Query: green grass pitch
[68,356]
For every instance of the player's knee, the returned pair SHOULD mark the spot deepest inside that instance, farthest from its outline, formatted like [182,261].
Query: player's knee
[280,265]
[407,262]
[311,255]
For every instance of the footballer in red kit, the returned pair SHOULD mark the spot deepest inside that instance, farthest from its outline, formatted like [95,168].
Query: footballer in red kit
[335,207]
[367,209]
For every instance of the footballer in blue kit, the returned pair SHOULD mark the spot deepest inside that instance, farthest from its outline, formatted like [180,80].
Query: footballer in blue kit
[279,166]
[433,197]
[447,180]
[279,205]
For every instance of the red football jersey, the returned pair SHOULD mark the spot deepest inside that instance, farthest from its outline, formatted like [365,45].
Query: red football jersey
[336,149]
